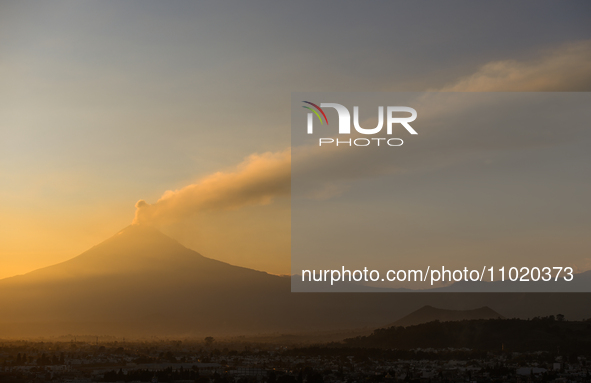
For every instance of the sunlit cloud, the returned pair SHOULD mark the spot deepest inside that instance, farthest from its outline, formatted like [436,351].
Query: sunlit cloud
[258,180]
[566,68]
[263,177]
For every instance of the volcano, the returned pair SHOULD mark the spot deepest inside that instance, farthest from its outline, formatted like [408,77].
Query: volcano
[141,282]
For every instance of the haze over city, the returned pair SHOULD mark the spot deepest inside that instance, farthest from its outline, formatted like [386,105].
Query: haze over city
[107,104]
[156,209]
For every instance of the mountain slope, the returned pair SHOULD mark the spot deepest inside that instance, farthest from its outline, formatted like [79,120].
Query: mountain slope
[142,283]
[138,275]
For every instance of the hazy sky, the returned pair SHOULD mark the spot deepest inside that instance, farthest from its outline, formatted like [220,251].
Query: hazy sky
[491,179]
[104,103]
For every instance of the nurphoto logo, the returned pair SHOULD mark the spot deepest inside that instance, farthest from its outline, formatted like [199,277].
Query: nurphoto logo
[392,117]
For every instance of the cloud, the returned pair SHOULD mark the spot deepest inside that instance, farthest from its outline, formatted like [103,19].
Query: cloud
[323,174]
[256,181]
[566,68]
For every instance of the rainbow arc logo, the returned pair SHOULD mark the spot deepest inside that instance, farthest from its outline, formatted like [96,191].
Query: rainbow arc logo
[315,112]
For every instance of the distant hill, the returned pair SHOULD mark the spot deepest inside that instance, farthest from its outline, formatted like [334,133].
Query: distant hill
[429,313]
[537,334]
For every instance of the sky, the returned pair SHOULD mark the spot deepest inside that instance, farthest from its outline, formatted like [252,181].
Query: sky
[104,103]
[490,179]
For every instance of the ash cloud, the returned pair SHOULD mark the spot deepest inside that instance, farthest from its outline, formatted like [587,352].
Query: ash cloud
[563,69]
[261,178]
[258,180]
